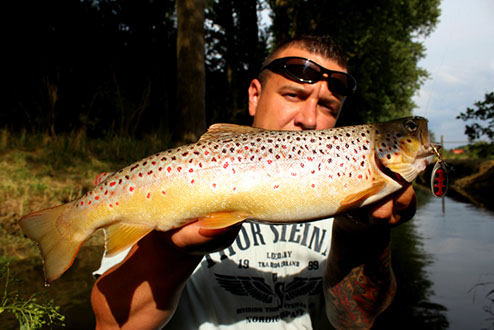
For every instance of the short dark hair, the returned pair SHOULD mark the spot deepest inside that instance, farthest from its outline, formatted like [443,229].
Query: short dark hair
[322,45]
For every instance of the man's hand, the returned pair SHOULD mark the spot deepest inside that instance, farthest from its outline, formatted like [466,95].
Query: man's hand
[194,240]
[396,208]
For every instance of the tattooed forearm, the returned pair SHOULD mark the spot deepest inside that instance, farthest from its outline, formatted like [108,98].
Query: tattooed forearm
[365,292]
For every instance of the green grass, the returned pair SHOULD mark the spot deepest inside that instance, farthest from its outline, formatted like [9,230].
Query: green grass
[39,171]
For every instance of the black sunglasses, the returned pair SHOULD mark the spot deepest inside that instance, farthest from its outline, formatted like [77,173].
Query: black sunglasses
[306,71]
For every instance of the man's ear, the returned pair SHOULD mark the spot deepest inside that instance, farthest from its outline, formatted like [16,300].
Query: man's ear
[255,89]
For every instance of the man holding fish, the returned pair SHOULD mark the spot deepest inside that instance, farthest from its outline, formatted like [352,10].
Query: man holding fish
[195,278]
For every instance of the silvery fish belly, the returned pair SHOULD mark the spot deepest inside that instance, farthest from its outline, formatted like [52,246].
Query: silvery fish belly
[234,173]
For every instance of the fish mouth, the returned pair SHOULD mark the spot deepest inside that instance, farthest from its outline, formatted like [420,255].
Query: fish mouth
[425,156]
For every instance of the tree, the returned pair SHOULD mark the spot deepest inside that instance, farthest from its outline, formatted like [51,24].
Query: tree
[191,77]
[381,40]
[235,51]
[483,112]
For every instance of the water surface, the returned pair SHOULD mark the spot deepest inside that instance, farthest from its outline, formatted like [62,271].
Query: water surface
[461,243]
[444,263]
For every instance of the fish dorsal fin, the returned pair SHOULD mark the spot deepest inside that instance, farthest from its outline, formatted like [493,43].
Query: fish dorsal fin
[217,131]
[121,236]
[102,177]
[360,196]
[219,220]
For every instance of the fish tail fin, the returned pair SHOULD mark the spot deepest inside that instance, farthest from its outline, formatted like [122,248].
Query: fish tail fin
[57,250]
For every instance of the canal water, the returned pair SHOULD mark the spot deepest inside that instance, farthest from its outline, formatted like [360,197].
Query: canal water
[461,243]
[443,260]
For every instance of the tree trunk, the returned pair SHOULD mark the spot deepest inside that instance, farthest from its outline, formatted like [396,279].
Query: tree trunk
[191,74]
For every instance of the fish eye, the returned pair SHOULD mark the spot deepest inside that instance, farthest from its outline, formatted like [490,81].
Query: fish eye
[411,126]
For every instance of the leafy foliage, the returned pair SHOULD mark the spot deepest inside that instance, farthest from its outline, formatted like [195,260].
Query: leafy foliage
[30,312]
[381,38]
[109,67]
[483,114]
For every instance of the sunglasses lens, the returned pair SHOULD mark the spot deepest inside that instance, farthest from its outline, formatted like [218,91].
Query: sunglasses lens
[338,83]
[303,70]
[306,71]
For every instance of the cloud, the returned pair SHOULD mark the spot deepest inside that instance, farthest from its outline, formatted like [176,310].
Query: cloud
[448,77]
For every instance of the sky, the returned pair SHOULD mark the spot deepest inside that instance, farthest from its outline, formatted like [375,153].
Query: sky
[460,61]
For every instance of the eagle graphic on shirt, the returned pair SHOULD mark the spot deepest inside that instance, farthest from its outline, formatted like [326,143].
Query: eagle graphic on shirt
[257,288]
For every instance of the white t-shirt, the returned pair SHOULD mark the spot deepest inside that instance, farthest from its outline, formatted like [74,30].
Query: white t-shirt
[270,276]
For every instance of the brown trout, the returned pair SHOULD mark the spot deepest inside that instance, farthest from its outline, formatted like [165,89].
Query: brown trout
[234,173]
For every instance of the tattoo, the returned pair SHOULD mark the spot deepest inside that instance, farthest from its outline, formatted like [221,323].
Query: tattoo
[365,292]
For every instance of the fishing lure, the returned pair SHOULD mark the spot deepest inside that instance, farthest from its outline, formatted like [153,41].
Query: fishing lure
[439,176]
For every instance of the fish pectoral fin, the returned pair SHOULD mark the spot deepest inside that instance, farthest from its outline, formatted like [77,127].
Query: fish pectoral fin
[407,171]
[361,196]
[219,220]
[120,236]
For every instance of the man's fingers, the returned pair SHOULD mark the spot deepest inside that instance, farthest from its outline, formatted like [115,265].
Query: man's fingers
[192,239]
[398,208]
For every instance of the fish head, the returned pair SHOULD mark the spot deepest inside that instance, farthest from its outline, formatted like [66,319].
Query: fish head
[403,146]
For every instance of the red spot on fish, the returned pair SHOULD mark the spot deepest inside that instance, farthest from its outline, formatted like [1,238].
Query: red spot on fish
[360,176]
[294,174]
[163,192]
[169,169]
[149,195]
[111,205]
[131,189]
[112,183]
[154,163]
[192,181]
[191,170]
[225,165]
[179,168]
[214,185]
[206,152]
[313,185]
[140,174]
[269,161]
[276,186]
[246,148]
[96,197]
[82,203]
[116,203]
[234,188]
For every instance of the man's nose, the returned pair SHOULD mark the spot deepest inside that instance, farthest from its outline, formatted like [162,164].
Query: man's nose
[307,116]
